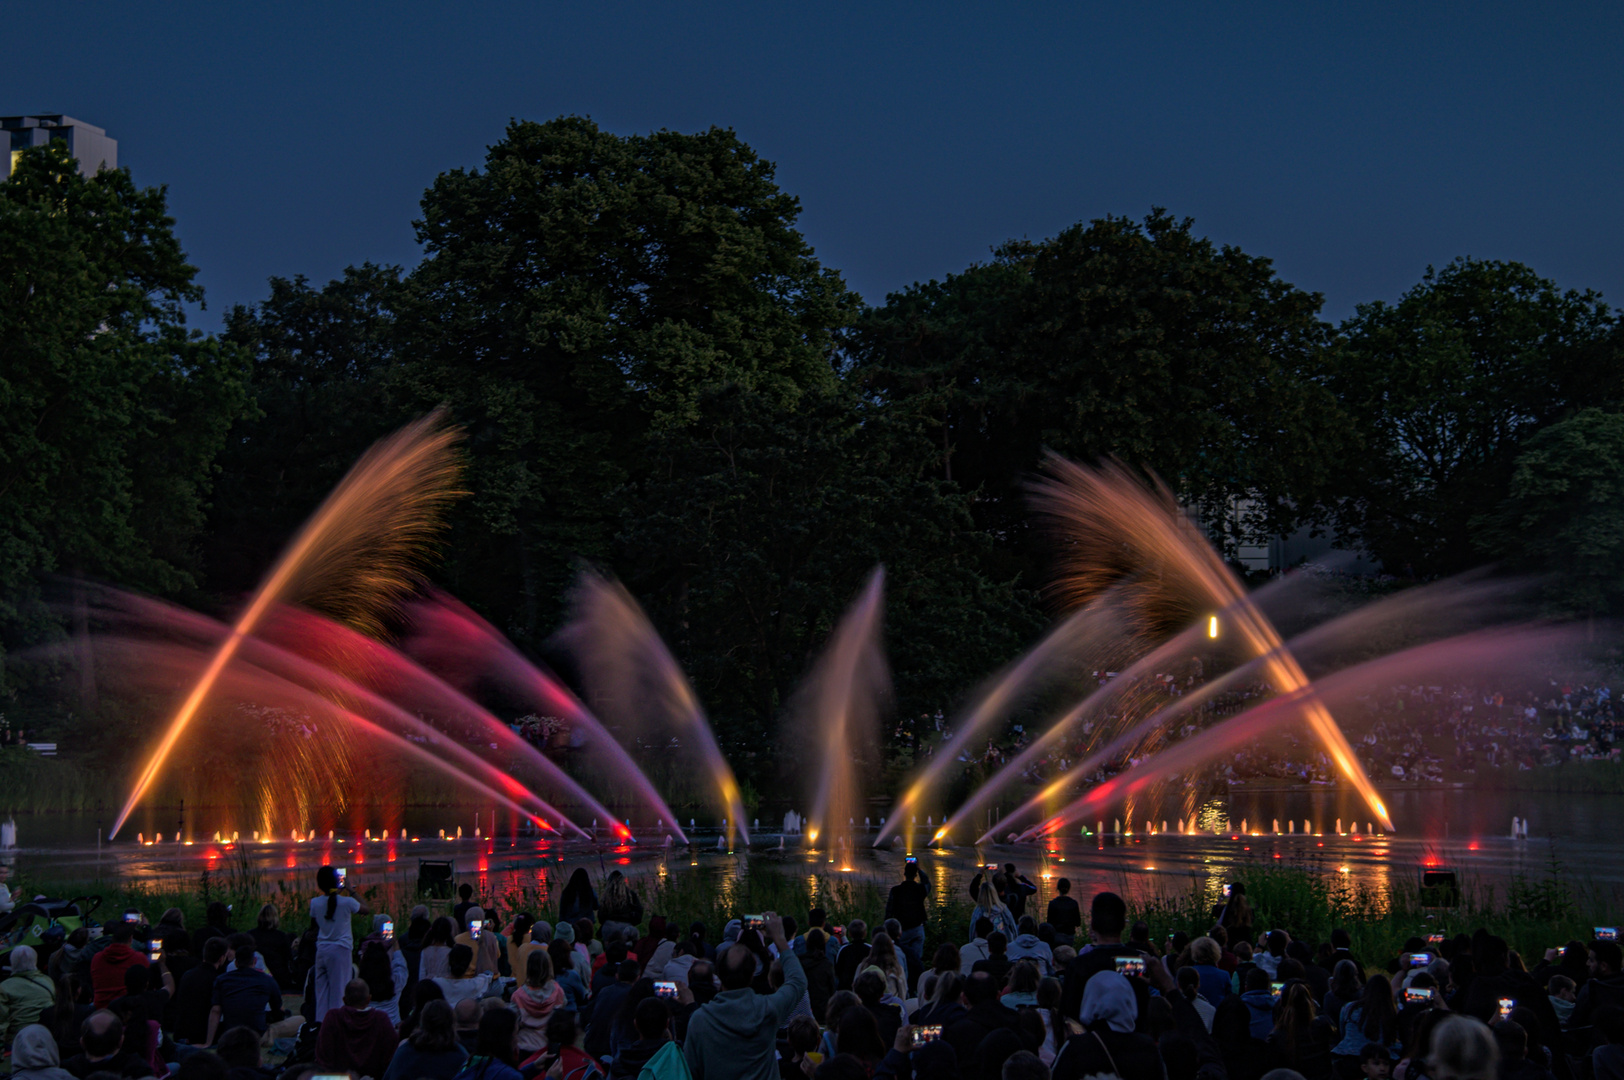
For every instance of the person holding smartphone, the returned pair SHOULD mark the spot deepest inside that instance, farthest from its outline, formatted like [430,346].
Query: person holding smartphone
[736,1033]
[335,944]
[906,904]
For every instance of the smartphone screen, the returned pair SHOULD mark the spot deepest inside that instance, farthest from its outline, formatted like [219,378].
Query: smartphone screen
[925,1034]
[342,874]
[1506,1005]
[754,922]
[912,859]
[388,931]
[1226,892]
[665,989]
[474,928]
[1435,939]
[132,917]
[1420,959]
[155,951]
[1418,993]
[1606,933]
[1130,965]
[1276,989]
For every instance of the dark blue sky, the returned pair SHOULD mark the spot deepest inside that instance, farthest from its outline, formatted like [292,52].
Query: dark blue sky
[1354,148]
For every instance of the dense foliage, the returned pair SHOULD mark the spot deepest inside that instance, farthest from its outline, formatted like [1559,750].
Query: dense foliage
[658,377]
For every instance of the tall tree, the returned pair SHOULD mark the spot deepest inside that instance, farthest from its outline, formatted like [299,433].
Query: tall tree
[111,411]
[1563,514]
[1139,340]
[1444,389]
[579,292]
[322,364]
[758,524]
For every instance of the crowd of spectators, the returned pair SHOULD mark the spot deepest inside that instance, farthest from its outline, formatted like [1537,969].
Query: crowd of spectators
[600,992]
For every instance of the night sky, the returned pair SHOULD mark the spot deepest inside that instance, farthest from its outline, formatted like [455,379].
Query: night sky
[1353,147]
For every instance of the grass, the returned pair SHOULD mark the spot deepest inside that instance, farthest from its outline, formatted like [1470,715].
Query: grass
[30,783]
[1532,913]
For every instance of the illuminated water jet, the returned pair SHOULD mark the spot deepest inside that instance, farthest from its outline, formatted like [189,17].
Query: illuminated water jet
[357,554]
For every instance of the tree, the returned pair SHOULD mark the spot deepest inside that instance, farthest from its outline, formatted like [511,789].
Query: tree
[111,412]
[1444,389]
[322,364]
[1564,513]
[1138,340]
[759,524]
[582,291]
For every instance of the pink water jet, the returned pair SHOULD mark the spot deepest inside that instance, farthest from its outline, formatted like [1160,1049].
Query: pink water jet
[641,685]
[454,641]
[1490,652]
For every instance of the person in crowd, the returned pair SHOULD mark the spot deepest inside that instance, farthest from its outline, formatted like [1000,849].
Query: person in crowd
[1603,988]
[945,960]
[906,903]
[577,899]
[1375,1063]
[493,1057]
[534,1004]
[424,992]
[853,954]
[1512,1039]
[859,1036]
[1564,997]
[651,1022]
[883,955]
[661,951]
[983,1014]
[1258,998]
[34,1055]
[26,995]
[1109,1043]
[735,1036]
[107,967]
[819,971]
[335,944]
[216,924]
[244,995]
[945,1004]
[1107,918]
[1022,985]
[1063,913]
[870,988]
[1273,951]
[801,1037]
[620,908]
[1189,978]
[1297,1042]
[383,969]
[431,1052]
[465,900]
[997,963]
[101,1049]
[274,945]
[1463,1048]
[1235,915]
[1607,1057]
[195,996]
[434,958]
[239,1049]
[1371,1019]
[614,954]
[563,960]
[1206,957]
[1343,989]
[464,982]
[1029,946]
[604,1009]
[990,905]
[975,950]
[356,1037]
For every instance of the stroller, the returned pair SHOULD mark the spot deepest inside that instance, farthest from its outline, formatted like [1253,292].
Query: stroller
[44,924]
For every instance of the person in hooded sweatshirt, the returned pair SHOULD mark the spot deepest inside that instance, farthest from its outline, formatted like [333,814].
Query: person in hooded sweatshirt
[1028,946]
[1109,1045]
[535,1002]
[735,1036]
[355,1036]
[34,1055]
[107,966]
[24,996]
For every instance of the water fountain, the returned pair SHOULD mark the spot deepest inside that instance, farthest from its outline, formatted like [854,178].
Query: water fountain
[643,687]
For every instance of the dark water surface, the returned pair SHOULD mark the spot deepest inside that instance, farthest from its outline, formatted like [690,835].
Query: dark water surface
[1456,827]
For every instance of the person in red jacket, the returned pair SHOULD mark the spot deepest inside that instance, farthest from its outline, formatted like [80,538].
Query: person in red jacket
[355,1036]
[107,967]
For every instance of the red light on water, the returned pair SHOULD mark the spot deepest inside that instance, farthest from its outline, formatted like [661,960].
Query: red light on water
[624,862]
[1472,846]
[484,864]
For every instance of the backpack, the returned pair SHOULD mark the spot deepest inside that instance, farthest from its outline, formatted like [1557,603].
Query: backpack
[667,1064]
[578,1065]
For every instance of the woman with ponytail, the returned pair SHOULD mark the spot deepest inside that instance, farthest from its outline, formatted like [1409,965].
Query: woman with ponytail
[335,946]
